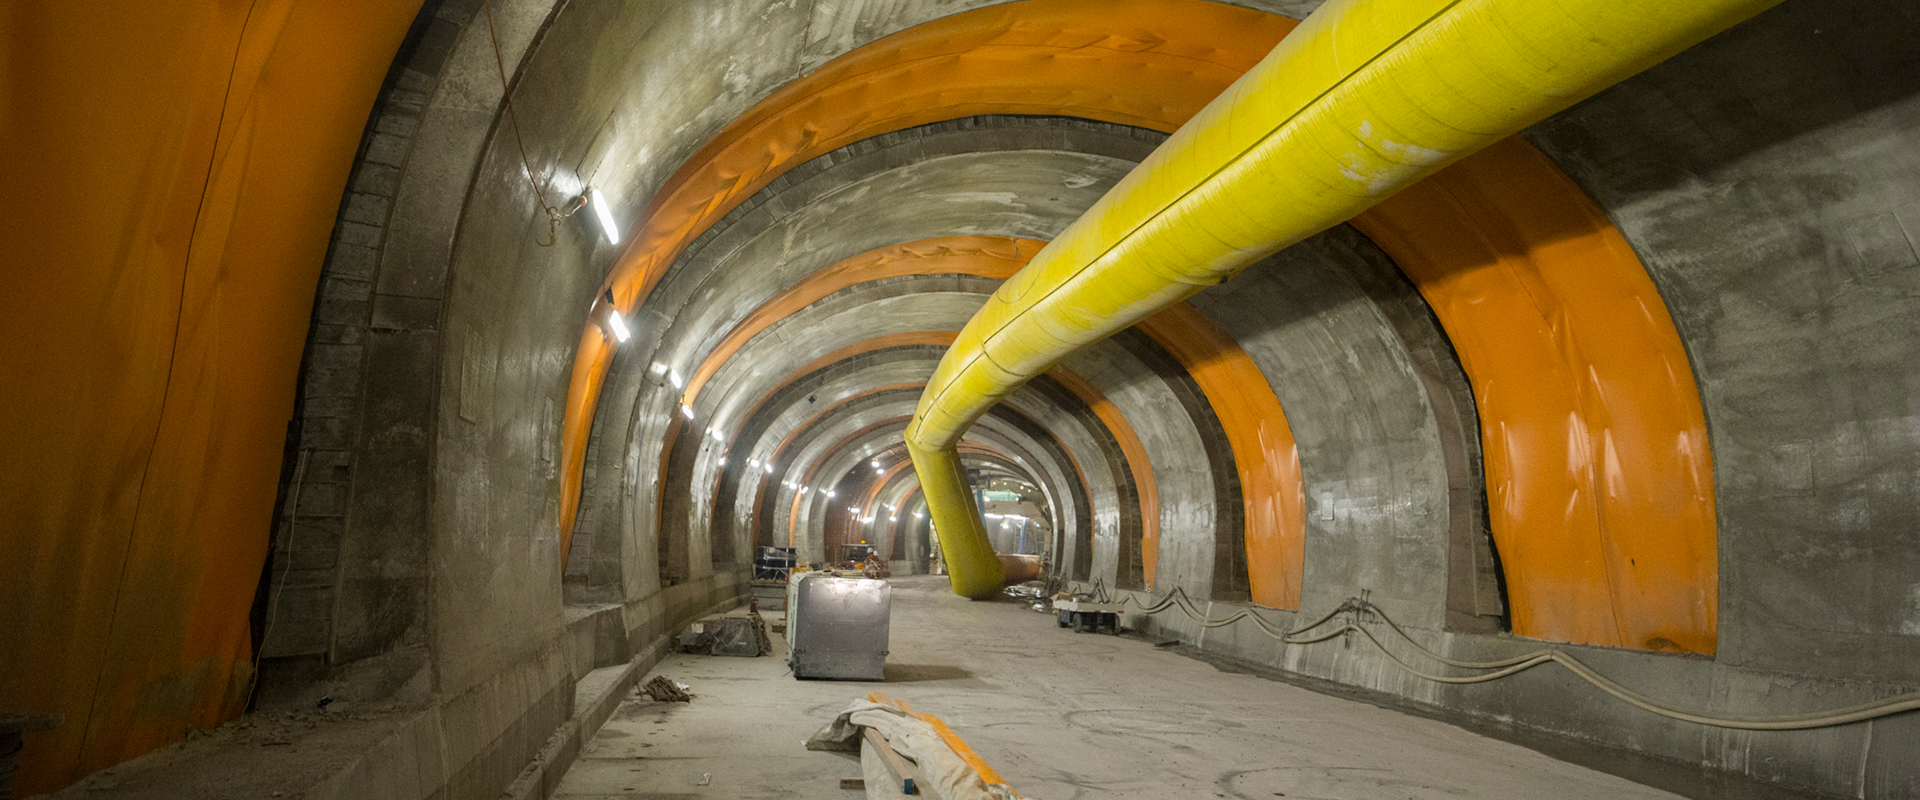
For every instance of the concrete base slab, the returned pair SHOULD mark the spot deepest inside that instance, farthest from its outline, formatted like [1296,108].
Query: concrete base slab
[1060,715]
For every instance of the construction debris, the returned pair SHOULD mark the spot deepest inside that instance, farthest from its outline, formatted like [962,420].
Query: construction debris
[666,691]
[727,636]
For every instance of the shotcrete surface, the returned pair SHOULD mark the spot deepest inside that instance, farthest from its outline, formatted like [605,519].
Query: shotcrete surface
[1060,715]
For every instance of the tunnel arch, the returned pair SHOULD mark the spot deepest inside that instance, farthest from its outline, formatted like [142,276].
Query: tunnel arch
[1677,555]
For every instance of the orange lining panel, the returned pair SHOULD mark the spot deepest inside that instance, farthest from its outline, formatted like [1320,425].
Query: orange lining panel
[1570,577]
[1271,487]
[1147,63]
[1599,480]
[1256,428]
[793,513]
[184,163]
[891,387]
[987,256]
[1137,463]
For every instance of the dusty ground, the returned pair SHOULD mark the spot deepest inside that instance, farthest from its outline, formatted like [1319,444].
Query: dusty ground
[264,755]
[1061,716]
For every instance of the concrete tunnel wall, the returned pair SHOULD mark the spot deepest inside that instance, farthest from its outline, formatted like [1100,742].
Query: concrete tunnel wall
[1763,178]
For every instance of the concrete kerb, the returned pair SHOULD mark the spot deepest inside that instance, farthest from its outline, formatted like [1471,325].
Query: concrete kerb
[599,693]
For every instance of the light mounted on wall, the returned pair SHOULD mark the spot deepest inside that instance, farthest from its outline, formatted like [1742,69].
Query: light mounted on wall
[609,318]
[605,214]
[686,411]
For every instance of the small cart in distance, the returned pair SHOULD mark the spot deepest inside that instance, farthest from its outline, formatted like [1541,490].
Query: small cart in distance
[1085,616]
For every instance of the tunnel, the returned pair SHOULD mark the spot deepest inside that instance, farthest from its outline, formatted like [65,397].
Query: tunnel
[1462,398]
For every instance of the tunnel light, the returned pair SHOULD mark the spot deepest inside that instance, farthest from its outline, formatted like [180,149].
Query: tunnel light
[769,466]
[917,515]
[605,214]
[686,410]
[717,435]
[618,325]
[753,463]
[659,368]
[674,375]
[895,518]
[723,461]
[829,494]
[876,463]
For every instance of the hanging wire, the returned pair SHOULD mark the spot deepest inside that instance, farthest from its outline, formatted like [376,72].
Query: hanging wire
[554,215]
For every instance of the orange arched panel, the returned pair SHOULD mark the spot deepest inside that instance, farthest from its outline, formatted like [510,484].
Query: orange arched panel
[1146,63]
[1625,410]
[986,256]
[1599,479]
[1271,487]
[179,167]
[1137,463]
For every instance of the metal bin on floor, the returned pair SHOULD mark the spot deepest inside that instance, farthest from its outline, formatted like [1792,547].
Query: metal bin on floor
[837,627]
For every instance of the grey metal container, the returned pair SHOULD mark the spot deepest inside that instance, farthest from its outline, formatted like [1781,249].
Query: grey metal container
[838,628]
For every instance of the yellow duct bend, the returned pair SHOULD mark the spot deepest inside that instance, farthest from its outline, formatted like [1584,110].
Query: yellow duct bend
[1364,98]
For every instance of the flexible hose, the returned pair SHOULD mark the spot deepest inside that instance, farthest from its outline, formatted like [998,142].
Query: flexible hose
[1512,666]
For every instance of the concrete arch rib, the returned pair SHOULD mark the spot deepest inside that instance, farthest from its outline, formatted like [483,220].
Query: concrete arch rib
[1674,549]
[1081,440]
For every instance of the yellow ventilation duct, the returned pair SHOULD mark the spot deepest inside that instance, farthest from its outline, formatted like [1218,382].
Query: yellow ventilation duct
[1364,98]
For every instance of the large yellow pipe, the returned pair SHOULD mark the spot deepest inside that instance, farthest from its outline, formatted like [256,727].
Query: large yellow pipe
[1364,98]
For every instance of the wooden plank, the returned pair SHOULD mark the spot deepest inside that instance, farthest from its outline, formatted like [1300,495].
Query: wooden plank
[895,764]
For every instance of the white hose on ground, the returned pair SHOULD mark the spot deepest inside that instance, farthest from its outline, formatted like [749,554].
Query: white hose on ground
[1512,666]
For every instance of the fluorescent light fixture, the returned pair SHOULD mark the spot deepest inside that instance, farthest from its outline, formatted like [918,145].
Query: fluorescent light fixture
[895,518]
[659,368]
[686,411]
[716,434]
[674,375]
[605,214]
[723,461]
[917,515]
[829,494]
[753,463]
[619,325]
[803,490]
[769,468]
[876,463]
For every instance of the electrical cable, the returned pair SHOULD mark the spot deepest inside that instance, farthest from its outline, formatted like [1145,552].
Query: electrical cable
[280,584]
[1508,667]
[554,215]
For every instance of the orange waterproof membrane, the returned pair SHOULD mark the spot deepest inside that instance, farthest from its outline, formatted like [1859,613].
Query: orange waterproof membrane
[733,438]
[1272,489]
[1504,212]
[813,470]
[1256,428]
[1147,63]
[185,162]
[1599,479]
[890,472]
[1137,463]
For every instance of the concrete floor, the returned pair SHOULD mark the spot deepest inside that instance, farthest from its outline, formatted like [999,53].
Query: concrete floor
[1062,716]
